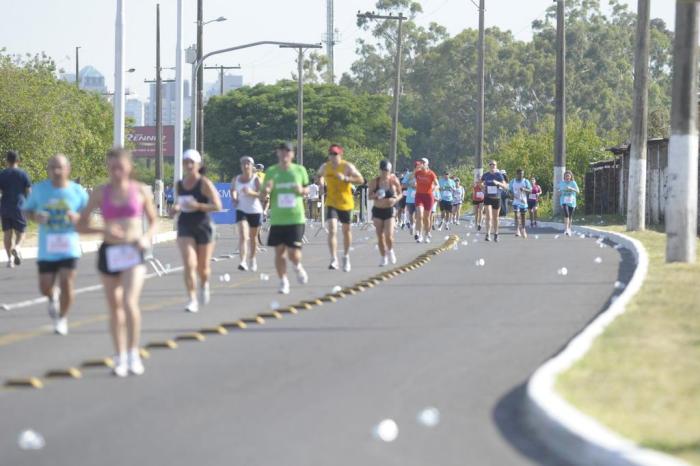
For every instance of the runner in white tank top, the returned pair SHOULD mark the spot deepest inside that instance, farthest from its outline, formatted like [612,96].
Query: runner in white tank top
[245,192]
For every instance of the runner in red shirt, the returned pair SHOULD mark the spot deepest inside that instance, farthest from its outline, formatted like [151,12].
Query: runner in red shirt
[426,181]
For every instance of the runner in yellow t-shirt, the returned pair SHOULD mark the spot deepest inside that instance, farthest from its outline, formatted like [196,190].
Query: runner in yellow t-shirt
[338,175]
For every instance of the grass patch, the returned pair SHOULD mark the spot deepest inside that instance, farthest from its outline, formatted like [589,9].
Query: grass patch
[642,376]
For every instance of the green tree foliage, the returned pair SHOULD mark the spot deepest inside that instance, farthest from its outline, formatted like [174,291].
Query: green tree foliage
[253,120]
[41,116]
[439,96]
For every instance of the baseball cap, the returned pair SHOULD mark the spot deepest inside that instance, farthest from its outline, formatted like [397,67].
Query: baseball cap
[336,149]
[259,166]
[286,146]
[385,165]
[193,155]
[425,160]
[247,158]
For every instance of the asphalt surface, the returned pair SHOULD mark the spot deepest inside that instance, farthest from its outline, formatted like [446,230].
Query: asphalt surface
[308,389]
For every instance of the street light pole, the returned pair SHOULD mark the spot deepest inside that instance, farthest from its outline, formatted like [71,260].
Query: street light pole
[118,129]
[393,149]
[198,64]
[77,67]
[159,122]
[479,162]
[681,213]
[637,184]
[560,119]
[179,99]
[199,118]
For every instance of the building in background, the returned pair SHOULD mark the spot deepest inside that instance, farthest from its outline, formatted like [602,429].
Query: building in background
[231,81]
[90,79]
[135,110]
[168,96]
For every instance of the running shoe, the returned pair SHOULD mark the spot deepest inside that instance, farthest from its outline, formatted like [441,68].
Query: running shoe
[517,233]
[253,265]
[10,264]
[121,367]
[135,364]
[495,237]
[192,306]
[302,276]
[416,237]
[17,256]
[346,263]
[478,228]
[334,264]
[284,286]
[419,239]
[392,256]
[61,326]
[384,261]
[524,234]
[204,293]
[426,240]
[447,227]
[243,267]
[487,238]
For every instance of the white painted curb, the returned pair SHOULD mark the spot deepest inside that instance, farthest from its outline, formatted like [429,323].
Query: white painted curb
[92,246]
[576,437]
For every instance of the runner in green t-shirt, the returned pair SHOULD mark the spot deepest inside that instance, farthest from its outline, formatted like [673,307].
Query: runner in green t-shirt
[285,186]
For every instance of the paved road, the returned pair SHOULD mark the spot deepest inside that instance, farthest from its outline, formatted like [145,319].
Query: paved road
[307,389]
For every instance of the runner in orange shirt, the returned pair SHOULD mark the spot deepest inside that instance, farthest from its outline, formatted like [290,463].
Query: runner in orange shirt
[426,181]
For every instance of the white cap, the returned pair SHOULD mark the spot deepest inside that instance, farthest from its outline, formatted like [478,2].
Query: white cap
[193,155]
[425,160]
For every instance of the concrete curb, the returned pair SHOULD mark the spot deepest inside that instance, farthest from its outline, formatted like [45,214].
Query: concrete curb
[92,246]
[576,437]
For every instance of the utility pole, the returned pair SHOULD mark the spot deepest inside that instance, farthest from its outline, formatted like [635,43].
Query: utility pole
[159,122]
[300,96]
[221,69]
[118,129]
[681,213]
[330,40]
[560,121]
[179,99]
[77,67]
[198,119]
[393,149]
[637,184]
[479,162]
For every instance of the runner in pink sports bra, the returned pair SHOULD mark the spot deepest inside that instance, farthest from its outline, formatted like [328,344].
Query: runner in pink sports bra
[123,203]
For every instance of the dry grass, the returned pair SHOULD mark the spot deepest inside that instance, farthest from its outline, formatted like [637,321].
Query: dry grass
[642,376]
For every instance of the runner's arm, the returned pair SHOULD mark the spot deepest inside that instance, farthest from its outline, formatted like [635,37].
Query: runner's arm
[214,204]
[372,190]
[149,210]
[83,225]
[397,190]
[353,175]
[232,190]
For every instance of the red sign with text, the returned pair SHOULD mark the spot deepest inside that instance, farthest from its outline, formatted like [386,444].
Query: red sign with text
[143,139]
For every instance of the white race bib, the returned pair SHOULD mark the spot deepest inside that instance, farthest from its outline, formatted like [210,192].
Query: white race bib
[287,201]
[567,199]
[184,202]
[479,195]
[381,194]
[533,197]
[492,189]
[122,257]
[58,243]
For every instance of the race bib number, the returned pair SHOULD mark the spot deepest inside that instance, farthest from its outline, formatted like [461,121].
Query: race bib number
[532,197]
[381,194]
[567,199]
[492,189]
[479,196]
[58,243]
[184,202]
[286,201]
[122,257]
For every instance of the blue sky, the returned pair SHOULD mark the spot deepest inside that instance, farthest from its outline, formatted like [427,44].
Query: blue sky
[57,26]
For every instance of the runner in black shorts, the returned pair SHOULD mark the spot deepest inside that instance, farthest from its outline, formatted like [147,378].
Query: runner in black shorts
[385,191]
[493,181]
[196,197]
[14,186]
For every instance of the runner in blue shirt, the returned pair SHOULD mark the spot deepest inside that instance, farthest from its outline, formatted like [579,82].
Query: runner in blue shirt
[568,189]
[447,186]
[14,186]
[520,187]
[55,205]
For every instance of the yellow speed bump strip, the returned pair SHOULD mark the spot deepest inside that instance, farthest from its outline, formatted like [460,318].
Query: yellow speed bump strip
[167,344]
[313,302]
[253,320]
[30,382]
[70,373]
[194,336]
[288,310]
[270,315]
[304,305]
[234,325]
[104,362]
[220,330]
[328,299]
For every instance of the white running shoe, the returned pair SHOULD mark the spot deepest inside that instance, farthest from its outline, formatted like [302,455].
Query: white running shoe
[18,257]
[346,263]
[10,264]
[121,367]
[517,233]
[243,267]
[384,262]
[419,239]
[53,308]
[253,265]
[426,240]
[192,306]
[392,256]
[61,326]
[334,264]
[135,363]
[302,276]
[204,294]
[284,286]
